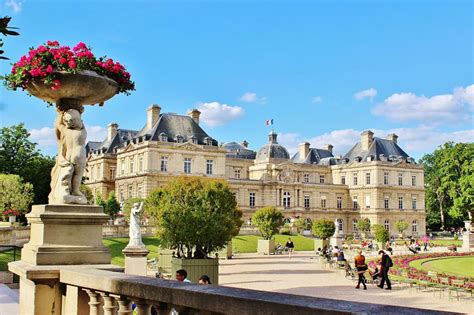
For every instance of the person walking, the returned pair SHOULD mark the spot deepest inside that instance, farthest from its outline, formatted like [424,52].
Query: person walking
[385,264]
[289,244]
[361,266]
[425,240]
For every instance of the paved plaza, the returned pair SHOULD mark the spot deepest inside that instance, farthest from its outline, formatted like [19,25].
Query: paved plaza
[302,275]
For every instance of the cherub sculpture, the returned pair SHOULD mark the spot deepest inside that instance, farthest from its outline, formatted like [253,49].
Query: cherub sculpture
[66,175]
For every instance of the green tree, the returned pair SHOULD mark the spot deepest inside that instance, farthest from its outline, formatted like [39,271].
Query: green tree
[14,193]
[363,225]
[268,220]
[380,233]
[38,172]
[87,193]
[300,225]
[195,216]
[99,201]
[401,226]
[323,228]
[112,206]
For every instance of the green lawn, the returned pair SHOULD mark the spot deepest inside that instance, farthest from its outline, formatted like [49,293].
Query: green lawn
[462,266]
[439,242]
[248,243]
[6,257]
[116,245]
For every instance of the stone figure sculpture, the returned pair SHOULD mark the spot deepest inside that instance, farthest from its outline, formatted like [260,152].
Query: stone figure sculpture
[70,164]
[135,232]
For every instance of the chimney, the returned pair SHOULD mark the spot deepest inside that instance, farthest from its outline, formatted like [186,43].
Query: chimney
[152,115]
[328,147]
[303,149]
[194,114]
[392,137]
[366,139]
[111,131]
[245,143]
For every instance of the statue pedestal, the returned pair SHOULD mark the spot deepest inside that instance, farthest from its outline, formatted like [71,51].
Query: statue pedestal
[336,241]
[468,240]
[66,235]
[135,260]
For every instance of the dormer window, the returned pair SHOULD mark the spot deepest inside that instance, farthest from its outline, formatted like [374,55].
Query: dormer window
[358,159]
[193,140]
[208,140]
[163,137]
[179,139]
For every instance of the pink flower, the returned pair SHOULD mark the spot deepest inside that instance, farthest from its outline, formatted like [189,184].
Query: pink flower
[49,69]
[52,43]
[62,60]
[72,64]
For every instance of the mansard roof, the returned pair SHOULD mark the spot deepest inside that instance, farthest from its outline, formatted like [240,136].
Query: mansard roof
[380,149]
[315,156]
[236,150]
[108,146]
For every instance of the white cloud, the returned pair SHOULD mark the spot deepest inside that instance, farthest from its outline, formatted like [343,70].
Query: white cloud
[446,108]
[251,97]
[216,114]
[369,93]
[15,5]
[316,99]
[45,136]
[414,141]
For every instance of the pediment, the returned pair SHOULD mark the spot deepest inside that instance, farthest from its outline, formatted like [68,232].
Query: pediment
[187,146]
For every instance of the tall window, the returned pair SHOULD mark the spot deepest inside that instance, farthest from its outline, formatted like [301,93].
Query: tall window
[343,180]
[323,202]
[414,226]
[367,178]
[306,201]
[386,224]
[339,202]
[130,191]
[92,172]
[122,167]
[131,164]
[367,201]
[339,225]
[306,178]
[140,163]
[385,202]
[237,173]
[286,199]
[354,179]
[140,192]
[385,178]
[112,173]
[354,202]
[400,203]
[321,179]
[413,180]
[354,225]
[187,165]
[164,164]
[209,164]
[252,199]
[98,172]
[400,179]
[413,202]
[122,195]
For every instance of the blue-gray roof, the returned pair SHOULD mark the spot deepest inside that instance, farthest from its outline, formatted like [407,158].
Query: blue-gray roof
[314,156]
[236,150]
[108,146]
[378,150]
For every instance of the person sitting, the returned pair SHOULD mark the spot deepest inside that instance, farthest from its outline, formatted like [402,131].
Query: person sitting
[278,249]
[375,273]
[340,256]
[412,248]
[204,280]
[182,276]
[370,245]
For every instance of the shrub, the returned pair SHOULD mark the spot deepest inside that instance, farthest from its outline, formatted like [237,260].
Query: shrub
[285,231]
[456,237]
[268,220]
[380,233]
[323,228]
[195,216]
[363,225]
[300,225]
[401,226]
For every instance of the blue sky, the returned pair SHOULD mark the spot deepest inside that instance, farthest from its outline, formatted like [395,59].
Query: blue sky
[324,71]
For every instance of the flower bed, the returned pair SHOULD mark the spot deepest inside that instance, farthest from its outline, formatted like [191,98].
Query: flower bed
[401,266]
[47,61]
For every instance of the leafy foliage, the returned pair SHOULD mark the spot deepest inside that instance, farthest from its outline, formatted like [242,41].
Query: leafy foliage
[112,206]
[380,233]
[195,216]
[323,228]
[268,220]
[363,225]
[14,193]
[87,193]
[300,225]
[401,226]
[6,30]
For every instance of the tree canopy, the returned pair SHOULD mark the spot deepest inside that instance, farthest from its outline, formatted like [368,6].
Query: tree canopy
[323,228]
[363,225]
[401,226]
[14,193]
[268,220]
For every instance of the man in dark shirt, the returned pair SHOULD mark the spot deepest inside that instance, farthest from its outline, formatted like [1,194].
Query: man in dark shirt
[385,264]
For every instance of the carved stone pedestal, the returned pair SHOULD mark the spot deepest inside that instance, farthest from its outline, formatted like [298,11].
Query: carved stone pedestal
[66,235]
[468,240]
[135,260]
[336,241]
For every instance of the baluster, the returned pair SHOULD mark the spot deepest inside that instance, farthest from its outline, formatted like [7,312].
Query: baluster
[94,302]
[143,308]
[109,304]
[162,309]
[125,305]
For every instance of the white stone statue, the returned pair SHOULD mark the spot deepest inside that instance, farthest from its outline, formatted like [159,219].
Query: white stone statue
[70,164]
[135,232]
[336,232]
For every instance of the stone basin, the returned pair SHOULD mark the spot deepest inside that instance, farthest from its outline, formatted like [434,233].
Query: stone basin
[86,87]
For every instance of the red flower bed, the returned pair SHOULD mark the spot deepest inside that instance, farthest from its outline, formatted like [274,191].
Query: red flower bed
[44,62]
[401,264]
[11,212]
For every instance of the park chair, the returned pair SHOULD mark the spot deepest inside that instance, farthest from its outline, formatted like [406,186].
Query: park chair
[457,286]
[443,284]
[422,284]
[351,273]
[407,280]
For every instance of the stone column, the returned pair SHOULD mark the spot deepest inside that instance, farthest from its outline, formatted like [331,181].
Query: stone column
[135,260]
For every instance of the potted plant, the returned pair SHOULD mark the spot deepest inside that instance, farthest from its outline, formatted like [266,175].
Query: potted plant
[323,229]
[364,227]
[268,220]
[401,226]
[194,218]
[11,214]
[381,235]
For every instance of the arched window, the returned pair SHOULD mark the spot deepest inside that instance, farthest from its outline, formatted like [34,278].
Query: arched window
[387,225]
[163,137]
[414,226]
[286,199]
[287,221]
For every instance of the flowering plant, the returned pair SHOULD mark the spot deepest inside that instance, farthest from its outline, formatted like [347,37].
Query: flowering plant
[44,63]
[10,212]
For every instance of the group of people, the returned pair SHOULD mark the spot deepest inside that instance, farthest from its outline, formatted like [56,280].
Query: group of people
[330,253]
[182,276]
[382,270]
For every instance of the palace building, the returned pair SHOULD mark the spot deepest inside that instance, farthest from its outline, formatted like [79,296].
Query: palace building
[376,179]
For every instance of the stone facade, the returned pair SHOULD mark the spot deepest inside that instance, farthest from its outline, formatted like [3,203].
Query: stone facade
[376,179]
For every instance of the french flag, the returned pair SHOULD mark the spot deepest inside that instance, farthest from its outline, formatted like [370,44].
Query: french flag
[269,122]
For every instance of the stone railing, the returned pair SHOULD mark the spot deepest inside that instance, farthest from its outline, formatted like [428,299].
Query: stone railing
[14,235]
[106,292]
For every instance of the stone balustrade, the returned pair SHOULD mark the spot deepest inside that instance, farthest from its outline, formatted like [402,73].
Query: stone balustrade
[106,292]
